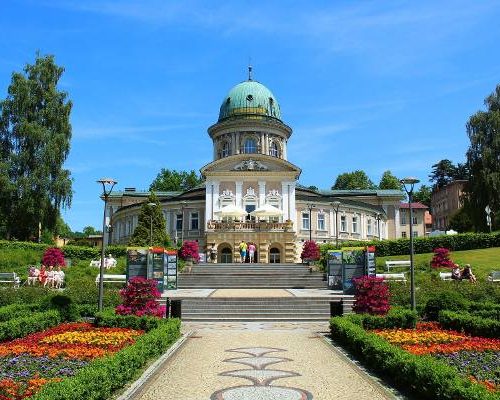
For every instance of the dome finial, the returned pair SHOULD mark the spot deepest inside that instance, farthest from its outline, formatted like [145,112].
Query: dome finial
[249,69]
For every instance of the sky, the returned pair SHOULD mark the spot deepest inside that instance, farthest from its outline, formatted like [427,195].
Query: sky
[372,85]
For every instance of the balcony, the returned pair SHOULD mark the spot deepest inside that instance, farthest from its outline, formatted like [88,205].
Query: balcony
[250,226]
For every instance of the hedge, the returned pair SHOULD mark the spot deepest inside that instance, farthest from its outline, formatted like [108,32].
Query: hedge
[396,247]
[109,318]
[422,376]
[473,325]
[22,326]
[397,317]
[102,377]
[16,310]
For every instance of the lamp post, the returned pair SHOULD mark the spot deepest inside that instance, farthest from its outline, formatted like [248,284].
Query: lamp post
[107,187]
[183,206]
[409,191]
[151,205]
[377,217]
[310,208]
[336,206]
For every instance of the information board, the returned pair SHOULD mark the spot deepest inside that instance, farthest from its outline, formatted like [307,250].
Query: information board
[335,270]
[370,260]
[157,261]
[137,262]
[170,270]
[350,272]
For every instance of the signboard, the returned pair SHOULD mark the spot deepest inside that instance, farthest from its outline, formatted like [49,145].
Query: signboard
[347,264]
[349,272]
[137,262]
[157,266]
[334,264]
[370,260]
[170,270]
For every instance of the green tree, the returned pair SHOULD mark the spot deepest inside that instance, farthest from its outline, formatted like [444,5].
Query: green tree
[35,134]
[442,173]
[90,230]
[460,221]
[389,181]
[312,187]
[150,214]
[353,180]
[423,195]
[483,162]
[177,181]
[62,229]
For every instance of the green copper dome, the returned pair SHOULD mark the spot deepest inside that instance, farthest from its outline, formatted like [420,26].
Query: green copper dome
[250,99]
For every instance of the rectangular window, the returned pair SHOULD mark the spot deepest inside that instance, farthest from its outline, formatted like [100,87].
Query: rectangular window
[321,222]
[194,221]
[369,228]
[415,234]
[415,221]
[403,217]
[305,221]
[178,222]
[354,224]
[403,234]
[343,223]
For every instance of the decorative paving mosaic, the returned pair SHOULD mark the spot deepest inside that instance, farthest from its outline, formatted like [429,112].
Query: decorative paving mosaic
[258,359]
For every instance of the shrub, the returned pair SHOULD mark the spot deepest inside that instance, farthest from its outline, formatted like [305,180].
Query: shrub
[189,250]
[473,325]
[15,310]
[22,326]
[441,258]
[372,296]
[445,300]
[310,251]
[397,317]
[140,298]
[109,318]
[63,304]
[422,376]
[53,256]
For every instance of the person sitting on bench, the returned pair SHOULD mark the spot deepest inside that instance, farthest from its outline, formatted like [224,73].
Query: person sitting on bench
[467,273]
[455,273]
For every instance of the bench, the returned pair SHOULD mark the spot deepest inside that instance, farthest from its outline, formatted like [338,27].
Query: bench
[109,278]
[95,263]
[10,277]
[393,277]
[494,276]
[396,263]
[445,276]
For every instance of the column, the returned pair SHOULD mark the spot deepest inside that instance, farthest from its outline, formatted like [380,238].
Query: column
[262,193]
[214,199]
[397,226]
[291,201]
[238,194]
[237,143]
[209,187]
[285,190]
[332,223]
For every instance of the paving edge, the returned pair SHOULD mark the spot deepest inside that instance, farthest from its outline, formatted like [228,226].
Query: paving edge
[136,387]
[390,392]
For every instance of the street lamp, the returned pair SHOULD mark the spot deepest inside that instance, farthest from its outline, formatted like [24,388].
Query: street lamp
[377,217]
[336,206]
[409,191]
[151,205]
[310,207]
[107,187]
[183,205]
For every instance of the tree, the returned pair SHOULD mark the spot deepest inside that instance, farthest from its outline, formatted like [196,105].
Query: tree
[389,181]
[483,162]
[353,180]
[423,195]
[90,230]
[142,232]
[443,173]
[176,181]
[460,221]
[35,134]
[441,258]
[312,187]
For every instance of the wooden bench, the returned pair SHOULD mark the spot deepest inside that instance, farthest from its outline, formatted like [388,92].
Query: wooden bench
[445,276]
[393,277]
[110,278]
[396,263]
[494,276]
[11,278]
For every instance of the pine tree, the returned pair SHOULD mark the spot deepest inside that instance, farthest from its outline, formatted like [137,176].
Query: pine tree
[150,215]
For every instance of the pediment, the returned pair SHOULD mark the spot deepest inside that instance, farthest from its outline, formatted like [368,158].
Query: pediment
[250,164]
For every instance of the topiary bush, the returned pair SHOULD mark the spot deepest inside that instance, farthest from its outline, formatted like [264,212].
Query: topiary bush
[372,296]
[139,298]
[310,251]
[53,256]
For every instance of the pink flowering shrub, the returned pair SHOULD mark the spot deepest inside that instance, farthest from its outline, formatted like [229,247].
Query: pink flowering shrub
[441,258]
[190,249]
[372,296]
[139,298]
[53,256]
[310,251]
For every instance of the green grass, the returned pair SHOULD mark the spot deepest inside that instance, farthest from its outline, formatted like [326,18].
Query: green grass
[482,261]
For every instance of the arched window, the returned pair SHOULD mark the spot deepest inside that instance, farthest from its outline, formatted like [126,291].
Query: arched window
[250,146]
[274,150]
[226,149]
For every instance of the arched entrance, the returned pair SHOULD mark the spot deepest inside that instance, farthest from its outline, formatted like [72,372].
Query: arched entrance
[274,255]
[225,253]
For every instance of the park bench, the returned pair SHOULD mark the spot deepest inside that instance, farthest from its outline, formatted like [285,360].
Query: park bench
[494,276]
[445,276]
[396,263]
[109,278]
[95,263]
[393,277]
[10,277]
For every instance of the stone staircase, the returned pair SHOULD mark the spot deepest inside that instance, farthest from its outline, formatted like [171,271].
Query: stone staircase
[278,276]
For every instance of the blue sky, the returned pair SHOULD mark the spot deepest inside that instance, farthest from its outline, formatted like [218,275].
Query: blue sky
[364,85]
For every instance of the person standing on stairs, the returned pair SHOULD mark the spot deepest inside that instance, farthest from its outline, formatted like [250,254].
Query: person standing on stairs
[243,251]
[251,251]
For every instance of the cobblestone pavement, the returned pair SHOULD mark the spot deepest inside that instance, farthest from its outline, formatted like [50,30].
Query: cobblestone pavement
[253,361]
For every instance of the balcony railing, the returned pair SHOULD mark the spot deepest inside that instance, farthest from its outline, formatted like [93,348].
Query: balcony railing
[250,226]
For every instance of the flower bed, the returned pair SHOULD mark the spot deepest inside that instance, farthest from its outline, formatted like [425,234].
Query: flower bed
[475,357]
[27,363]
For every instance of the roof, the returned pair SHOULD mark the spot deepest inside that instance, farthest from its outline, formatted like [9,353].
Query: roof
[249,99]
[413,205]
[355,192]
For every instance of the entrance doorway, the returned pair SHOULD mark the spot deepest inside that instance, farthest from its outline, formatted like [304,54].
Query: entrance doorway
[274,255]
[226,255]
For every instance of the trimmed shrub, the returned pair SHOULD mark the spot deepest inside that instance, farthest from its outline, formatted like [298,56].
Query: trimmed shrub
[372,296]
[102,377]
[445,300]
[310,251]
[397,317]
[422,376]
[441,259]
[22,326]
[53,256]
[63,304]
[473,325]
[140,298]
[190,250]
[15,310]
[109,318]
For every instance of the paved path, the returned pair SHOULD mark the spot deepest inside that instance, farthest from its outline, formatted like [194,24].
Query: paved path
[257,361]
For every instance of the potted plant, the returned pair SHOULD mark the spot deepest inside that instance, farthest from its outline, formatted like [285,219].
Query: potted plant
[190,253]
[310,253]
